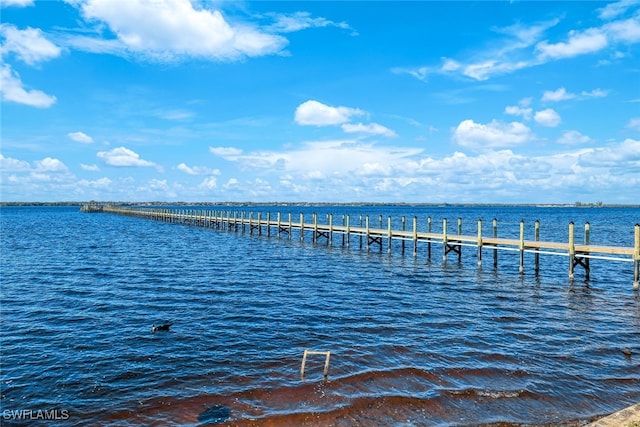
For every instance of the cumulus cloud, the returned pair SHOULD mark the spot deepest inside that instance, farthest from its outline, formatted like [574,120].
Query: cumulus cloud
[573,137]
[80,137]
[523,109]
[17,3]
[492,135]
[578,43]
[168,30]
[326,158]
[197,170]
[596,93]
[49,164]
[227,153]
[13,90]
[560,94]
[89,168]
[548,118]
[8,164]
[30,46]
[122,156]
[626,31]
[634,124]
[210,183]
[370,129]
[612,10]
[319,114]
[100,183]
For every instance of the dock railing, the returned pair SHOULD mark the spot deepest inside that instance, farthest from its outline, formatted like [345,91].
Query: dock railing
[579,255]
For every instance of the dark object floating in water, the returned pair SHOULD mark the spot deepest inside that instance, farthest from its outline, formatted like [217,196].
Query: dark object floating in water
[164,327]
[627,352]
[215,414]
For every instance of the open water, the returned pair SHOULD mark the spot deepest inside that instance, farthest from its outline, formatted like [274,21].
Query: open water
[412,341]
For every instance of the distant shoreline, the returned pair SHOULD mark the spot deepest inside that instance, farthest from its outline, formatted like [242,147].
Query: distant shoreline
[284,204]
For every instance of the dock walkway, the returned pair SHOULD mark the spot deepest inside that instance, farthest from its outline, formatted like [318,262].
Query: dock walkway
[579,255]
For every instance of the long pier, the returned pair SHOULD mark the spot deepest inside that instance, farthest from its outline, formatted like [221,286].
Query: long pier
[579,255]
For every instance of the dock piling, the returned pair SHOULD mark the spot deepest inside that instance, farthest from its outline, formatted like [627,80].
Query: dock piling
[579,254]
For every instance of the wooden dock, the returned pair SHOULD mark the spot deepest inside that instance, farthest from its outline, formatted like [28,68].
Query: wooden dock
[578,255]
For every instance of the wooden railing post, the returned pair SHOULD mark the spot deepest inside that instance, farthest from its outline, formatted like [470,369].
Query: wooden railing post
[636,258]
[536,258]
[389,234]
[521,247]
[572,249]
[444,239]
[367,231]
[415,236]
[429,238]
[479,243]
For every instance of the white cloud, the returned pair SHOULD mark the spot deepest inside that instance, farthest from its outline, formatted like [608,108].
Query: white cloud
[175,29]
[573,137]
[13,90]
[89,168]
[17,3]
[596,93]
[495,134]
[522,109]
[122,156]
[318,114]
[624,156]
[49,164]
[327,158]
[419,73]
[30,46]
[524,47]
[80,137]
[232,183]
[371,129]
[548,118]
[560,94]
[624,31]
[227,153]
[486,69]
[579,43]
[300,21]
[197,170]
[613,10]
[101,183]
[210,183]
[634,124]
[8,164]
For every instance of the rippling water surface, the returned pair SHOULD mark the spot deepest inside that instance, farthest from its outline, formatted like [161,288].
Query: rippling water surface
[412,341]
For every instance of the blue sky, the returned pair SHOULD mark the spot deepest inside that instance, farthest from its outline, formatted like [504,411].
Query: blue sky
[178,100]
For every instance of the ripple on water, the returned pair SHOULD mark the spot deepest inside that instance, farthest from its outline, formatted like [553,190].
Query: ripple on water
[412,341]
